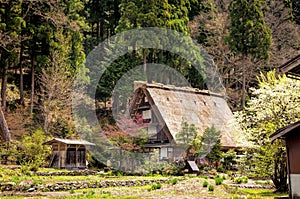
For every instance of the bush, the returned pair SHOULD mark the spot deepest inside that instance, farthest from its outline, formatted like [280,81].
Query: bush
[243,179]
[205,177]
[173,181]
[220,170]
[205,184]
[218,181]
[33,152]
[211,188]
[155,186]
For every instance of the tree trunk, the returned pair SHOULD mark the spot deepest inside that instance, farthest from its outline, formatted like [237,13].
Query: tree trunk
[145,65]
[4,128]
[244,84]
[279,177]
[101,29]
[3,87]
[98,31]
[32,83]
[21,77]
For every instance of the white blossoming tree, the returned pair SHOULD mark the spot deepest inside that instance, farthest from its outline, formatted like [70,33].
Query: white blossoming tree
[274,105]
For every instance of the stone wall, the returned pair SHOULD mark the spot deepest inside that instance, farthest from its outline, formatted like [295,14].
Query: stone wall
[26,186]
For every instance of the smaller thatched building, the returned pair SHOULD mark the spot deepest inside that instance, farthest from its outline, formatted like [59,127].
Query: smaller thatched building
[68,154]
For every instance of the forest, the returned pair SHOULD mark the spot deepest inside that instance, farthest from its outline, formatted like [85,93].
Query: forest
[44,46]
[40,39]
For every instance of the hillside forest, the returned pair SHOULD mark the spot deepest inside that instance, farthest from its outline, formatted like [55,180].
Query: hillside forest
[44,45]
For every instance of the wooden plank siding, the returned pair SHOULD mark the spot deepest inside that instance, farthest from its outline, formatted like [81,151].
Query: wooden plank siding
[68,154]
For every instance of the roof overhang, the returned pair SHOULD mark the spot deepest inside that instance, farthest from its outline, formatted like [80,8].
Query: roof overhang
[284,131]
[68,141]
[291,68]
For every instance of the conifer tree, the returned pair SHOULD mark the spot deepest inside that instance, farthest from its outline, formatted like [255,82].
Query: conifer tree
[248,34]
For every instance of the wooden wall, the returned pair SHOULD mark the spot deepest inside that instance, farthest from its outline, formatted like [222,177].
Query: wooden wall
[293,149]
[68,156]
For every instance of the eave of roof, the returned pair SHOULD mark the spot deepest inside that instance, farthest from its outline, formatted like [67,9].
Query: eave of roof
[291,68]
[284,131]
[68,141]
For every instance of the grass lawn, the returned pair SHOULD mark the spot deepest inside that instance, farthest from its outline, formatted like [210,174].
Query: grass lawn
[176,187]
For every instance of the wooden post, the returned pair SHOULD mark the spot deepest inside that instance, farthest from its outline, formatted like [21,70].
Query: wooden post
[76,156]
[58,155]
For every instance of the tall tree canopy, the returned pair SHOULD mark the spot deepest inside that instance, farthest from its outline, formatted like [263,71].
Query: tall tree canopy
[248,34]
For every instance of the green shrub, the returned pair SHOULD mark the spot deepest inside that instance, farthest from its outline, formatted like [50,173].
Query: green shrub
[155,186]
[211,188]
[243,179]
[33,152]
[173,181]
[205,184]
[218,181]
[72,191]
[220,169]
[205,177]
[238,180]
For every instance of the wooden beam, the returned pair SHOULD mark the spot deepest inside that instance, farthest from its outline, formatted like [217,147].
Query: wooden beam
[59,154]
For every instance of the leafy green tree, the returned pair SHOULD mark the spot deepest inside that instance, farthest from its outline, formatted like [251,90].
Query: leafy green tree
[102,17]
[211,145]
[33,153]
[274,105]
[248,34]
[229,159]
[187,134]
[11,24]
[188,139]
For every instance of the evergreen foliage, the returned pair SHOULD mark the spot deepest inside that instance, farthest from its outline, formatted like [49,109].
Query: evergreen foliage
[248,33]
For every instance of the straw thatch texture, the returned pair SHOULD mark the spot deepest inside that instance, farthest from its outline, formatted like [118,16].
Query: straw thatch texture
[201,108]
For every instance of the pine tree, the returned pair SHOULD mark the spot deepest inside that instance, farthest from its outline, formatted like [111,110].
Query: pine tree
[211,145]
[248,34]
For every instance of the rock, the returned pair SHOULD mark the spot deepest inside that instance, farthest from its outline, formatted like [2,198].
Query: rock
[32,189]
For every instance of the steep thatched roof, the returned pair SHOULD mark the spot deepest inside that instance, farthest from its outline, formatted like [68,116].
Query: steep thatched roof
[198,107]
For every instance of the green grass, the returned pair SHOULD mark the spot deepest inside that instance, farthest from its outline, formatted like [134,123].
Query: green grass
[154,186]
[260,192]
[87,196]
[99,196]
[49,179]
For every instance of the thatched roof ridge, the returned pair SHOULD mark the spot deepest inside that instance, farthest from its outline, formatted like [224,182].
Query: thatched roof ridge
[199,107]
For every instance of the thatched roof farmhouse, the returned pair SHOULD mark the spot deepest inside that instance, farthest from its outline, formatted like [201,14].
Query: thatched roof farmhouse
[166,106]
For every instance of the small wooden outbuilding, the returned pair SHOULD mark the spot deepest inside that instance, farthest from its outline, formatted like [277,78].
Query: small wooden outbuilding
[291,134]
[68,154]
